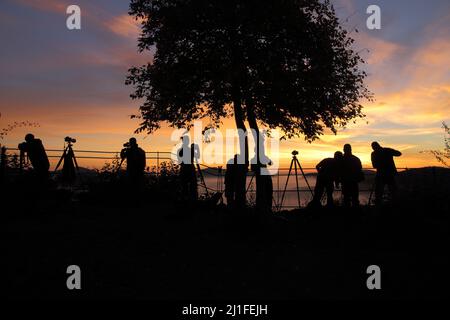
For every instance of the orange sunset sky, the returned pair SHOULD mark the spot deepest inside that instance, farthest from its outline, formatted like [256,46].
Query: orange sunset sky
[72,82]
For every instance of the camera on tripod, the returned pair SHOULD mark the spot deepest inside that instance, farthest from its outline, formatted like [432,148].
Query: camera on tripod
[69,161]
[295,164]
[22,146]
[70,140]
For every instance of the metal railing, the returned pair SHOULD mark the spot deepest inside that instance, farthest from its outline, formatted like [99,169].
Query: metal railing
[210,173]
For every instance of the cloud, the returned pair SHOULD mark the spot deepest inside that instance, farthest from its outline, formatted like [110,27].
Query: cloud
[58,6]
[125,26]
[122,25]
[75,85]
[380,52]
[430,65]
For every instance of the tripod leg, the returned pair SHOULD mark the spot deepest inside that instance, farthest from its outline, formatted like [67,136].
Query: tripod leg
[285,186]
[304,176]
[202,180]
[250,183]
[72,155]
[120,165]
[371,192]
[21,161]
[73,159]
[61,159]
[296,182]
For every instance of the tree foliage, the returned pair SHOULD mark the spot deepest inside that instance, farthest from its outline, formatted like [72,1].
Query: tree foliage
[15,125]
[443,156]
[285,64]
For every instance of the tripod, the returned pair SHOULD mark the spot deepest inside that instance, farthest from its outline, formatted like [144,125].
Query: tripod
[372,191]
[202,179]
[296,164]
[23,160]
[120,165]
[70,166]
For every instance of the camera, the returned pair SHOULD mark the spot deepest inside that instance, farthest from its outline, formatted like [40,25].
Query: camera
[22,146]
[70,140]
[295,152]
[126,145]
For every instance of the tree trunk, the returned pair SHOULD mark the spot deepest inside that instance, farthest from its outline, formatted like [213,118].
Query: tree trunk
[254,126]
[256,167]
[3,164]
[241,168]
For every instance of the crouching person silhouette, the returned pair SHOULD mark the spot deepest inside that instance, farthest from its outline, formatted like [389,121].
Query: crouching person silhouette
[38,157]
[136,162]
[383,161]
[328,174]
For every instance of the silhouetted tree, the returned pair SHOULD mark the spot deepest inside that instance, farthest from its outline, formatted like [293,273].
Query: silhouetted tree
[443,156]
[13,162]
[4,131]
[285,64]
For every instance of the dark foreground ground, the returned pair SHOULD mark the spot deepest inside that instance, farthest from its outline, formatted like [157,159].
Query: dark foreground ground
[153,253]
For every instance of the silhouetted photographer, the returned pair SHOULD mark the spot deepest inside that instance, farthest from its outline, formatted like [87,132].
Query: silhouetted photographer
[136,161]
[230,182]
[235,184]
[383,161]
[264,185]
[352,175]
[329,173]
[187,156]
[35,151]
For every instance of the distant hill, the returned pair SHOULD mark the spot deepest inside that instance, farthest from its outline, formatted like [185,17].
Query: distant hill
[427,188]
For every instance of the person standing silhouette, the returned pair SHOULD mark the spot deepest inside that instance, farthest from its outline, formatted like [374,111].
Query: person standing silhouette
[328,174]
[383,161]
[136,162]
[264,184]
[351,176]
[187,155]
[230,182]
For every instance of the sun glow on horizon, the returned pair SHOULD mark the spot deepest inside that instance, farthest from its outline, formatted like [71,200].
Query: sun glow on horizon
[73,84]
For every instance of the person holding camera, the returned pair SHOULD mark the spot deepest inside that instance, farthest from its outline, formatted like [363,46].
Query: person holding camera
[36,153]
[136,161]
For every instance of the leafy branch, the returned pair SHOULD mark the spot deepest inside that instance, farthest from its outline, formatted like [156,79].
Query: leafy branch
[16,124]
[443,156]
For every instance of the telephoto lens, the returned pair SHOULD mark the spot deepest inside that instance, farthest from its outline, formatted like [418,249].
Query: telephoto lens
[70,140]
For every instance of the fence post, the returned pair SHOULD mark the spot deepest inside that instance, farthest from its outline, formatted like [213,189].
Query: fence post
[2,164]
[157,162]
